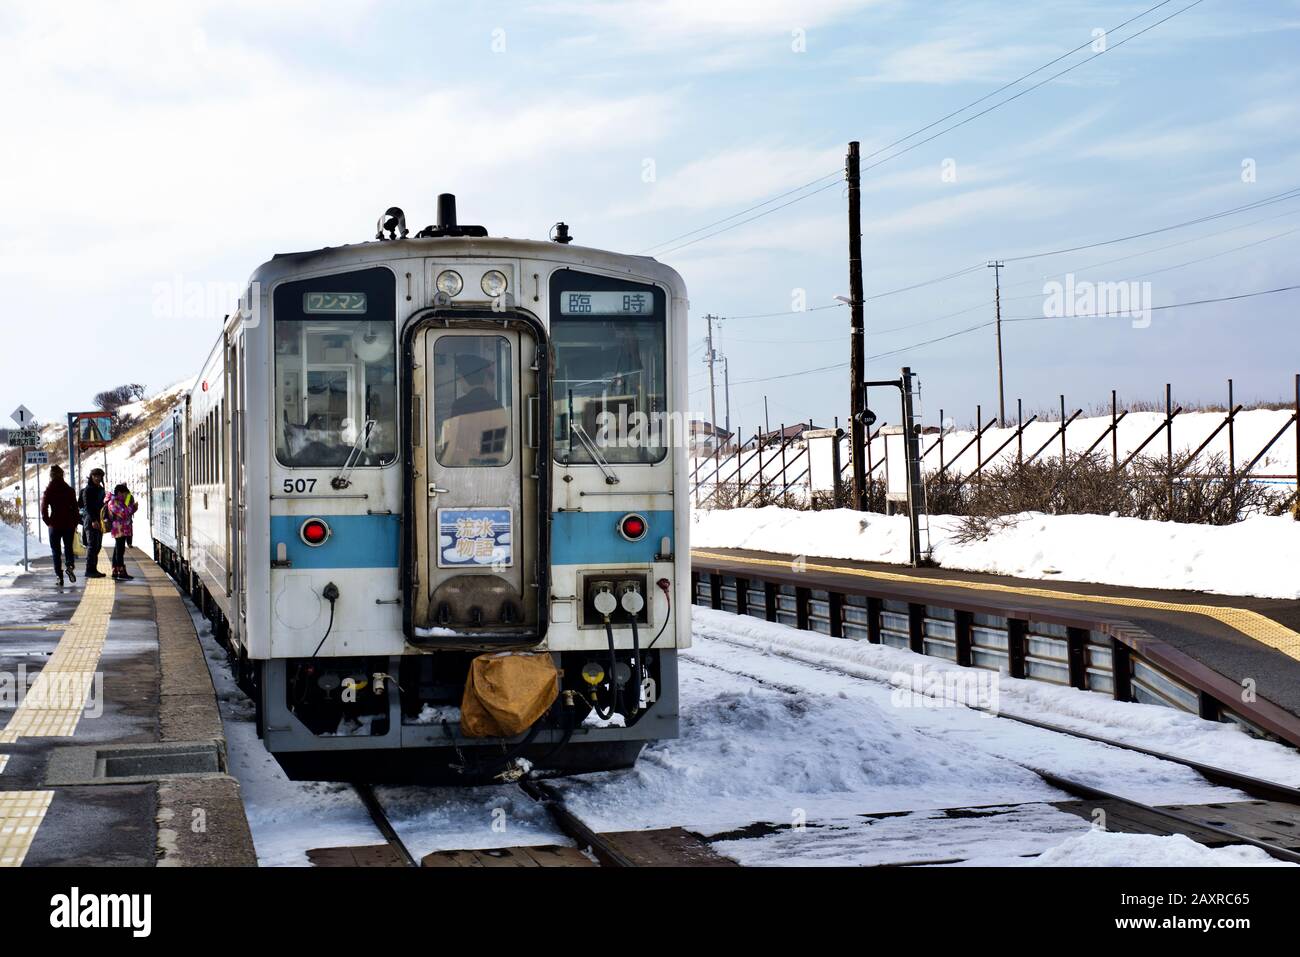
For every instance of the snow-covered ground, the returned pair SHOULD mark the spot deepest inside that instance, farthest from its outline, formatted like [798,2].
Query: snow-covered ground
[828,760]
[1256,557]
[800,749]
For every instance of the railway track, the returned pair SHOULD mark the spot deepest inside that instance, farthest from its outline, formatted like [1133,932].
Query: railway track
[1176,820]
[605,851]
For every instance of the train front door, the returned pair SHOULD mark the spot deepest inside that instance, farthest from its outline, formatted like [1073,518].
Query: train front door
[478,481]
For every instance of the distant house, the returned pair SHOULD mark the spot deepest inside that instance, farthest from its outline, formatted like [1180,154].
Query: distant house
[776,437]
[707,438]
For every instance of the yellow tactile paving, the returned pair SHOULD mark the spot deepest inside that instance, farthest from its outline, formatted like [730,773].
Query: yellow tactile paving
[21,813]
[53,705]
[1250,623]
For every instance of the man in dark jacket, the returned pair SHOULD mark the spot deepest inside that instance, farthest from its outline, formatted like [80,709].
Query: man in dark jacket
[92,500]
[60,513]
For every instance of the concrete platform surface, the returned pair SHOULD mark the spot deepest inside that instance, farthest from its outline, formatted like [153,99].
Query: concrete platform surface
[112,751]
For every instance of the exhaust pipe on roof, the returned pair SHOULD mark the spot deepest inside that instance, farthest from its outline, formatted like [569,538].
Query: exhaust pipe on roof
[447,224]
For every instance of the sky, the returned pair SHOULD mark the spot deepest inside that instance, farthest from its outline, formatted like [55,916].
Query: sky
[155,153]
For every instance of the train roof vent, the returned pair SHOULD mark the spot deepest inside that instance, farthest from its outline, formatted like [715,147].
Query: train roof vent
[447,225]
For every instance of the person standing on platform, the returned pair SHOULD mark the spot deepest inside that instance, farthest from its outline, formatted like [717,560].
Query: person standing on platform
[120,510]
[61,516]
[92,502]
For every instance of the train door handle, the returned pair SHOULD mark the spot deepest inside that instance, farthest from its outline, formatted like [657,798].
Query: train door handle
[434,491]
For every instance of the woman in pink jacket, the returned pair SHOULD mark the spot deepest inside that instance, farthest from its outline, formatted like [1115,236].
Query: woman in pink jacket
[120,510]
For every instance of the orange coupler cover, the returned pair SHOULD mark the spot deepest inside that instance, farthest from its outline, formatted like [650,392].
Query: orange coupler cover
[506,693]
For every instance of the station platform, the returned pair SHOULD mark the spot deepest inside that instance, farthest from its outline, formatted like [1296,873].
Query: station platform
[1232,640]
[112,751]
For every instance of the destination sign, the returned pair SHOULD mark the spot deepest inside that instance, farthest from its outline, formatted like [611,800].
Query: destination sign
[606,302]
[333,303]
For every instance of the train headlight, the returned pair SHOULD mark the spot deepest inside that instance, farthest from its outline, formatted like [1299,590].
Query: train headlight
[449,282]
[494,283]
[633,527]
[315,532]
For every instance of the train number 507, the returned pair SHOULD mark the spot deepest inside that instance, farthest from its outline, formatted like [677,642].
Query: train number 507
[299,486]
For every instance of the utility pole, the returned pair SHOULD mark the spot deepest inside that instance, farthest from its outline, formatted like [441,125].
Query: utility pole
[767,424]
[857,371]
[713,396]
[726,391]
[996,266]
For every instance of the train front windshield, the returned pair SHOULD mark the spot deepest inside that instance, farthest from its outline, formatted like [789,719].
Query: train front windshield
[336,371]
[610,381]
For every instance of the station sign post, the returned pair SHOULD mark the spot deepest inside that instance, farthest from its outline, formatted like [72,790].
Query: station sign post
[26,437]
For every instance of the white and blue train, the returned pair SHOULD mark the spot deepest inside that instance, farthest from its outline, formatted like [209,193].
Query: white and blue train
[423,474]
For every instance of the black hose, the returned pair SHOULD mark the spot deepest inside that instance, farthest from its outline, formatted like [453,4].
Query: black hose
[667,615]
[327,632]
[612,676]
[636,676]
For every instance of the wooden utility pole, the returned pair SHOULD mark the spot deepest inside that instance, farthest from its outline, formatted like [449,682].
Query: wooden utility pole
[857,363]
[996,266]
[726,392]
[713,398]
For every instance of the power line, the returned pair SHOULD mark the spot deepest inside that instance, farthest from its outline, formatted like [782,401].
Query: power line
[1041,83]
[789,312]
[718,232]
[1282,197]
[1293,193]
[917,132]
[765,202]
[988,323]
[1167,246]
[1190,262]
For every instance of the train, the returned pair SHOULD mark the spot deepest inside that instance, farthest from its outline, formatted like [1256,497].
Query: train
[430,492]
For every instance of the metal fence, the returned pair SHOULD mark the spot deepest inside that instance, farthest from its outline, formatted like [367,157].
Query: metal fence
[768,469]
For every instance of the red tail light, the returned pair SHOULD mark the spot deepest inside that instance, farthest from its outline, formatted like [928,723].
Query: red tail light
[315,532]
[633,527]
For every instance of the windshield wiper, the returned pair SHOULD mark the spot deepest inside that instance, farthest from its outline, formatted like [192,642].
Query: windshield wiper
[600,460]
[344,478]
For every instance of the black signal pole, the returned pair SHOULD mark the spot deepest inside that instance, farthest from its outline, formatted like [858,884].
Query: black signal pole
[857,371]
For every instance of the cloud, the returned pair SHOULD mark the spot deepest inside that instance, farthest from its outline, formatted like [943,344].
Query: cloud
[956,59]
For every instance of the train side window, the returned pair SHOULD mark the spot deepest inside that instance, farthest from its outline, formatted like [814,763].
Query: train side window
[336,370]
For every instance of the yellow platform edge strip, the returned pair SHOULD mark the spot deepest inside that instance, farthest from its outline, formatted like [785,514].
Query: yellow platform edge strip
[1252,624]
[53,705]
[21,814]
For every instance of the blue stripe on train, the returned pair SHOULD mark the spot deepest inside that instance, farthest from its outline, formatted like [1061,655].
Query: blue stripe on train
[359,541]
[592,538]
[374,541]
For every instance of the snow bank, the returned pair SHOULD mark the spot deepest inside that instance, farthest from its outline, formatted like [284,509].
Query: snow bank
[1151,726]
[1256,557]
[1098,848]
[11,545]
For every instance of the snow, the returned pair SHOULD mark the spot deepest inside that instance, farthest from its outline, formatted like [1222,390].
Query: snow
[809,738]
[1098,848]
[780,730]
[1255,557]
[1161,729]
[11,552]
